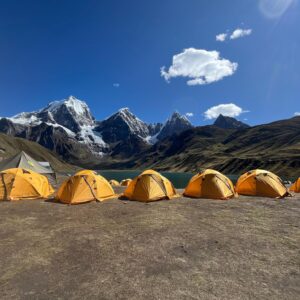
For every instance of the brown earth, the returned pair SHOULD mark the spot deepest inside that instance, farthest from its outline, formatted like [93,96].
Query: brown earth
[246,248]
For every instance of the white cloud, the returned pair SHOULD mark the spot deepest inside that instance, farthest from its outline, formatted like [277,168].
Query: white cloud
[297,113]
[189,114]
[238,33]
[116,85]
[274,8]
[201,66]
[221,37]
[229,110]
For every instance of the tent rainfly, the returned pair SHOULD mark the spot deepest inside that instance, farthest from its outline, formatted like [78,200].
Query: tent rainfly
[210,184]
[19,184]
[261,183]
[24,161]
[85,186]
[150,186]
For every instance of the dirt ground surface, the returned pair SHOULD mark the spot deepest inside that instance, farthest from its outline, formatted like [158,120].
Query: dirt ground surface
[246,248]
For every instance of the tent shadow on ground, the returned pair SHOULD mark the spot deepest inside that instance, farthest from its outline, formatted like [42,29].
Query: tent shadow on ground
[125,200]
[55,201]
[52,200]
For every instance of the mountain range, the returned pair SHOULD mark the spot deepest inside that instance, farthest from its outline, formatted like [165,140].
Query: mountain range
[68,128]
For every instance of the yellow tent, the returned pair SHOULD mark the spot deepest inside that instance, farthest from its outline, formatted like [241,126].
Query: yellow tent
[210,184]
[85,186]
[261,183]
[125,182]
[17,184]
[296,186]
[114,182]
[150,186]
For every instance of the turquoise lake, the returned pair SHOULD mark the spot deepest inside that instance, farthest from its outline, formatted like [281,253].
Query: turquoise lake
[179,180]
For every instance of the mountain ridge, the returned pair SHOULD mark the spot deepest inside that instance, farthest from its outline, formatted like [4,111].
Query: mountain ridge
[124,141]
[274,146]
[229,123]
[68,127]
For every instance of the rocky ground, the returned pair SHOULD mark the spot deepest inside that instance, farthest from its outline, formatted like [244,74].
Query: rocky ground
[246,248]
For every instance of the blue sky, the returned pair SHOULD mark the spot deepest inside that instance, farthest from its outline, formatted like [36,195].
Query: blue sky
[52,49]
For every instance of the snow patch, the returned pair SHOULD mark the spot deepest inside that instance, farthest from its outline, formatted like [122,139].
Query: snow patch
[32,120]
[68,131]
[87,135]
[25,119]
[152,139]
[79,107]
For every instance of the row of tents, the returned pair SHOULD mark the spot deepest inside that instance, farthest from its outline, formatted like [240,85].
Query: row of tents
[87,185]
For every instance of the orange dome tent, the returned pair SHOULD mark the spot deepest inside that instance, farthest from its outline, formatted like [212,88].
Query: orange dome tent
[261,183]
[114,182]
[210,184]
[150,186]
[125,182]
[296,186]
[18,184]
[85,186]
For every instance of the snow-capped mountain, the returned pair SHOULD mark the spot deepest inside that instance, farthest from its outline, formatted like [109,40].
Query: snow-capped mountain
[57,126]
[70,113]
[68,128]
[123,124]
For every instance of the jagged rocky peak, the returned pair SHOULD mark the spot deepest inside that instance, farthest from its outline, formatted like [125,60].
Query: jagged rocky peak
[77,106]
[134,123]
[71,116]
[177,117]
[154,128]
[226,122]
[121,124]
[70,113]
[175,124]
[138,126]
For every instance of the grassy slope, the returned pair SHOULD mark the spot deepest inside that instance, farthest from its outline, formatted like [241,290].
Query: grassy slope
[274,146]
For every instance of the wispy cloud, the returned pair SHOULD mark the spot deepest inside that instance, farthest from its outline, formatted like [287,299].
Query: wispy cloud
[189,114]
[238,33]
[297,113]
[200,66]
[229,110]
[116,85]
[221,37]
